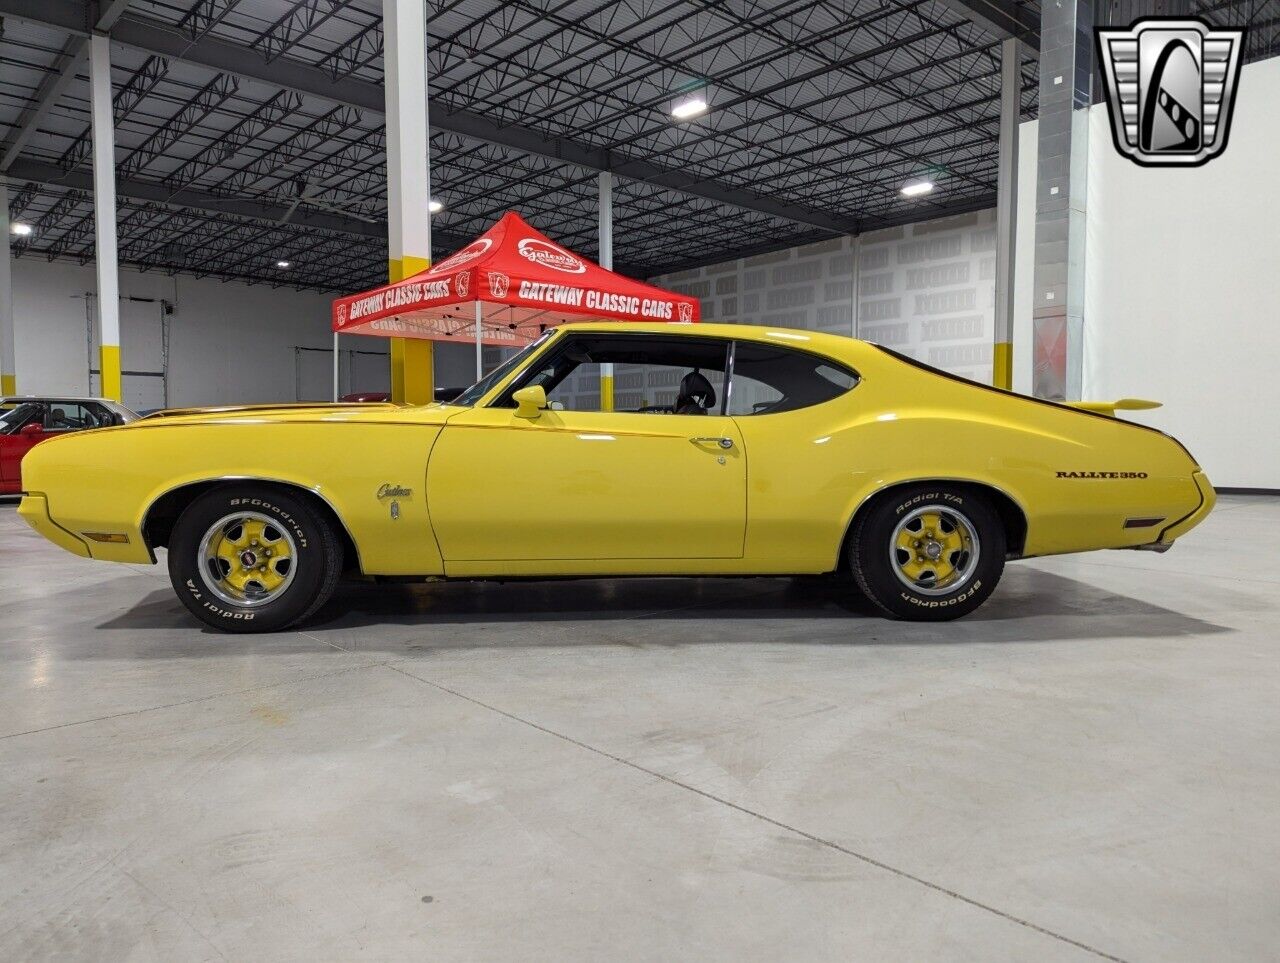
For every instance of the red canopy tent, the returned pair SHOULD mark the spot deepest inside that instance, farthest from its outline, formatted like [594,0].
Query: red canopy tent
[505,288]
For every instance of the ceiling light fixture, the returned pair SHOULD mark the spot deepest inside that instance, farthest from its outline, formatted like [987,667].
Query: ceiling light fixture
[689,107]
[918,188]
[20,229]
[435,207]
[284,264]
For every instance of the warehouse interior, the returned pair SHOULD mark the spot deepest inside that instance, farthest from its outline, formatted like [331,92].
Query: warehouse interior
[639,768]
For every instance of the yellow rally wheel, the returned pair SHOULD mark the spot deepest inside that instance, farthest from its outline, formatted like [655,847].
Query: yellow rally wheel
[247,558]
[934,550]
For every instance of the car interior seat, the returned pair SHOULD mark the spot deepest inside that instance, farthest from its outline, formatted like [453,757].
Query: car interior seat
[696,395]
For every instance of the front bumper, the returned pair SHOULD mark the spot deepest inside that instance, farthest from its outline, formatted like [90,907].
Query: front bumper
[34,510]
[76,535]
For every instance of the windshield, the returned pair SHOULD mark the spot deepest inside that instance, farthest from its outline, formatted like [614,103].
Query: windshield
[483,386]
[126,415]
[16,417]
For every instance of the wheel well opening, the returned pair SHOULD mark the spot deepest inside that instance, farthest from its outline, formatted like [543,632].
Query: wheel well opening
[1011,516]
[157,527]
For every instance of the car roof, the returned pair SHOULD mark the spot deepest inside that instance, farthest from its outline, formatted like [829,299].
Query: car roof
[835,345]
[18,399]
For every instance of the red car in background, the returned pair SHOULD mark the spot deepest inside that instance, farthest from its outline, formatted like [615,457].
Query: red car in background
[27,421]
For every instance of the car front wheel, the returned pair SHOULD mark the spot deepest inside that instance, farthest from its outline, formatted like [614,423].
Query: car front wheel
[253,559]
[929,552]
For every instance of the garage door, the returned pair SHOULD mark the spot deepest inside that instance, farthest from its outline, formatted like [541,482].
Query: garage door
[144,350]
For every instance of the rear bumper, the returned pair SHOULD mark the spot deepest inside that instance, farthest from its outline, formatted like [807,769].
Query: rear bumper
[1208,498]
[34,510]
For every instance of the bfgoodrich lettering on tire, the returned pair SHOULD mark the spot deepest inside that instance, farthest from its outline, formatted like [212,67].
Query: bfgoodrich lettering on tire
[246,558]
[928,552]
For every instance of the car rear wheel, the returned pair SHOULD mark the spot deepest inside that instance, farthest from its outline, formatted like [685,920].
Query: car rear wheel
[250,558]
[929,552]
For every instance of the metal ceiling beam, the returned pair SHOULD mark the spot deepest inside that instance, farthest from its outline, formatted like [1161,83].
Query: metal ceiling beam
[73,57]
[1003,19]
[51,175]
[284,73]
[981,203]
[75,54]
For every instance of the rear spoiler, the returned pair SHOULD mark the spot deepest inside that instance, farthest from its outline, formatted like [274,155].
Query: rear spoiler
[1111,407]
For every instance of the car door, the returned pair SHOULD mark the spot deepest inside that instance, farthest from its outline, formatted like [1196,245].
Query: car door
[627,486]
[57,418]
[14,443]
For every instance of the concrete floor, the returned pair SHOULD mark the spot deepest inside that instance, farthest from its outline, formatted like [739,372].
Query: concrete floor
[649,770]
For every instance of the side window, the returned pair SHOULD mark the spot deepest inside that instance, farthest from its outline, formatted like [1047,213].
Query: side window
[98,416]
[651,374]
[67,416]
[769,379]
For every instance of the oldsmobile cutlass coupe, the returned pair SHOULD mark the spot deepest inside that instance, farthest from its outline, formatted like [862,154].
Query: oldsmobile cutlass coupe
[725,450]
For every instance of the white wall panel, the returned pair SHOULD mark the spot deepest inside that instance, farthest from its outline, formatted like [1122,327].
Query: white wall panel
[1182,292]
[927,290]
[1183,289]
[229,343]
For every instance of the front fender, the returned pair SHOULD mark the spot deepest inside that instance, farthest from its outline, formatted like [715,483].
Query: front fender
[108,481]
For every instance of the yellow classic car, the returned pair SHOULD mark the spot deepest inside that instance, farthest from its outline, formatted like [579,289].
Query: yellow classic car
[724,450]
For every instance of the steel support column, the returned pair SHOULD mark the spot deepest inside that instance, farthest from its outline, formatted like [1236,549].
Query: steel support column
[104,215]
[8,365]
[605,182]
[1006,211]
[1066,81]
[408,182]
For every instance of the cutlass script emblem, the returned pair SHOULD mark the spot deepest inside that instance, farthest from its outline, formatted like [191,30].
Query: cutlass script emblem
[394,491]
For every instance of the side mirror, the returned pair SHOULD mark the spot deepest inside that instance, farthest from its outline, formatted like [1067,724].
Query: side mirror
[530,401]
[30,431]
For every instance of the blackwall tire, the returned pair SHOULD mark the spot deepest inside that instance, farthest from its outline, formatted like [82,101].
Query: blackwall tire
[929,552]
[279,559]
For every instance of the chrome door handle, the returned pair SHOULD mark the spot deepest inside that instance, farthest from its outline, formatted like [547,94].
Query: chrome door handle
[725,443]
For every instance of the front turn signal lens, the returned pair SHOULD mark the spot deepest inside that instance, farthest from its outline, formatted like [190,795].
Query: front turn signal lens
[115,538]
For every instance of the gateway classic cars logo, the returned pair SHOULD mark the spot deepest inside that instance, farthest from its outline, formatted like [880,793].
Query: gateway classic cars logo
[498,284]
[1171,85]
[475,249]
[549,255]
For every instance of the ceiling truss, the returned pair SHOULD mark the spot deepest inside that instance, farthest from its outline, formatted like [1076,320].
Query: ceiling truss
[251,131]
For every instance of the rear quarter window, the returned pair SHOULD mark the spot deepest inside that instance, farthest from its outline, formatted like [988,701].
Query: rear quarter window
[770,379]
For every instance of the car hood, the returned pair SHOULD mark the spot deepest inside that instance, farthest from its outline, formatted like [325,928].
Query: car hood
[292,413]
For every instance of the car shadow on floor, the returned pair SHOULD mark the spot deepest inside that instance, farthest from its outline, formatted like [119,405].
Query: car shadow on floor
[1029,606]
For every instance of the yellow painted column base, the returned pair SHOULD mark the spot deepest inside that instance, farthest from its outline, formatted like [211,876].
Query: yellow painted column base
[109,365]
[412,371]
[1002,365]
[8,384]
[413,361]
[606,387]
